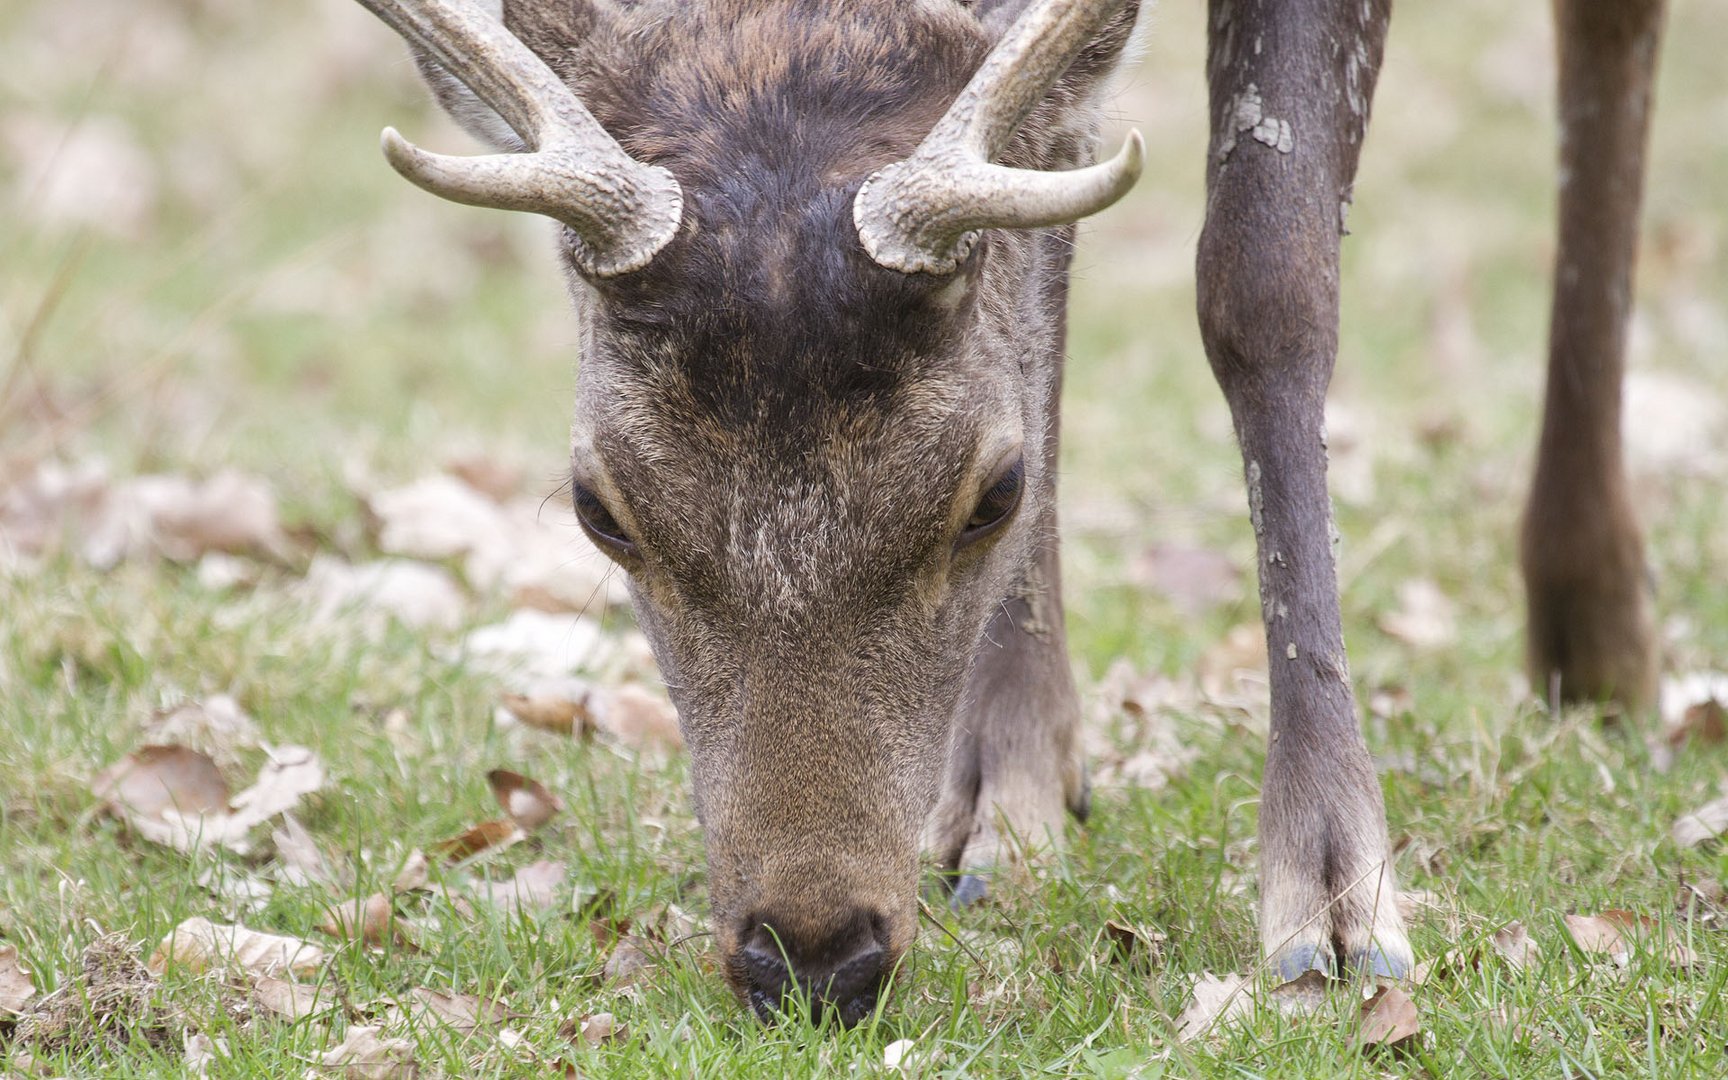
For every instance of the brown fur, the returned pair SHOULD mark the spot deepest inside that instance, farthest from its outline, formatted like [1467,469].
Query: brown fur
[793,436]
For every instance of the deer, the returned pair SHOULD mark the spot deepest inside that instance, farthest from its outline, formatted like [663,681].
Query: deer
[819,255]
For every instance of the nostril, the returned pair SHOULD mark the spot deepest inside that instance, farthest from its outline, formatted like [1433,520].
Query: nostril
[843,973]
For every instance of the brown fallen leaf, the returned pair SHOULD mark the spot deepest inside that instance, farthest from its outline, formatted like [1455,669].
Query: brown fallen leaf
[1302,995]
[1705,723]
[488,837]
[492,478]
[558,715]
[154,779]
[303,859]
[16,985]
[1425,617]
[638,718]
[201,945]
[369,921]
[289,775]
[463,1013]
[181,519]
[533,888]
[1136,946]
[291,1000]
[1234,670]
[1514,943]
[415,872]
[1194,579]
[526,801]
[215,725]
[1615,932]
[1389,1021]
[1215,1001]
[594,1029]
[1704,824]
[202,1051]
[1412,902]
[177,797]
[365,1055]
[631,961]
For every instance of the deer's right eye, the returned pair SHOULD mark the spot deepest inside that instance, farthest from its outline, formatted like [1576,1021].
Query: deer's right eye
[598,522]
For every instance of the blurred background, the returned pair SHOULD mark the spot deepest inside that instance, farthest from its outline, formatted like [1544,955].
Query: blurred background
[206,263]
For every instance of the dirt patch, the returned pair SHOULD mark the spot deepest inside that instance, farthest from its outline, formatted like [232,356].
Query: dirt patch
[112,1003]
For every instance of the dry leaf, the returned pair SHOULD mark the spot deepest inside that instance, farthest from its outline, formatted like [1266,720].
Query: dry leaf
[1134,945]
[1412,901]
[463,1013]
[640,719]
[290,774]
[16,986]
[369,921]
[898,1054]
[201,945]
[176,796]
[201,1052]
[536,643]
[1425,617]
[488,837]
[1301,995]
[630,962]
[1194,579]
[303,860]
[215,725]
[183,519]
[1389,1021]
[1233,671]
[1705,823]
[1615,932]
[1215,1001]
[1514,943]
[1705,723]
[559,715]
[290,1000]
[595,1029]
[154,779]
[492,478]
[533,888]
[436,517]
[527,801]
[414,873]
[364,1055]
[418,595]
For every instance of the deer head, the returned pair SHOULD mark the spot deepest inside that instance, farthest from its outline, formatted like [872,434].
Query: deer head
[821,332]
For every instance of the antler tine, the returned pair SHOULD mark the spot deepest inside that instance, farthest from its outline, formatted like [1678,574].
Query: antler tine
[621,210]
[922,215]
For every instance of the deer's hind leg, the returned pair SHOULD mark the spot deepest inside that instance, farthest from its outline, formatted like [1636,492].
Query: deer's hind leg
[1290,86]
[1591,627]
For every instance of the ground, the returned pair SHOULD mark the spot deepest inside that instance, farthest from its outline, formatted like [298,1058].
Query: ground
[219,272]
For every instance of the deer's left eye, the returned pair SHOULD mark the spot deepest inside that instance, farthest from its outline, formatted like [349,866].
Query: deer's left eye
[598,521]
[996,505]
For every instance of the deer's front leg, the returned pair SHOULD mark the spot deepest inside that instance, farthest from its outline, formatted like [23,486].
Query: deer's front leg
[1014,771]
[1290,84]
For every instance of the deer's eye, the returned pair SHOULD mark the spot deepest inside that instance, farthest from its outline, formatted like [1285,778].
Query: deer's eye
[996,505]
[598,521]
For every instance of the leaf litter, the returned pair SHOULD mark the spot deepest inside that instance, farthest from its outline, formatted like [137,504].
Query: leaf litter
[176,796]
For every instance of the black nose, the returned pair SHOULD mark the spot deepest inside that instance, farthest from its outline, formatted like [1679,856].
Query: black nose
[841,972]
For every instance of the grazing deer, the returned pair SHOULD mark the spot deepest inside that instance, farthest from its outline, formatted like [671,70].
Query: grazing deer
[820,253]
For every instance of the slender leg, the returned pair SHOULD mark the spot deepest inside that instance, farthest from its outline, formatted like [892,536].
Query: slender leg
[1592,632]
[1291,82]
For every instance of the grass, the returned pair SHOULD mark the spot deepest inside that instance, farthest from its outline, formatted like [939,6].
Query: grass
[285,305]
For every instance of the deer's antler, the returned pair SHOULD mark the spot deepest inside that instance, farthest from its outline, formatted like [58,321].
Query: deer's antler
[621,210]
[923,214]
